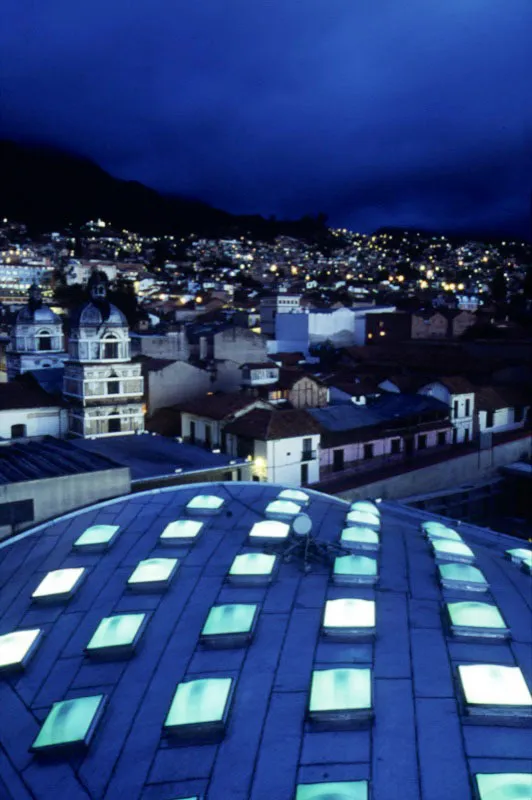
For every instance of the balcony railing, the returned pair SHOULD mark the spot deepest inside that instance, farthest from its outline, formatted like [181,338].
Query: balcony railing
[309,455]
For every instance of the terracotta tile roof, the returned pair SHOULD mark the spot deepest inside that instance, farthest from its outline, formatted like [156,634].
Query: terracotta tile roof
[18,395]
[456,384]
[265,425]
[490,398]
[217,406]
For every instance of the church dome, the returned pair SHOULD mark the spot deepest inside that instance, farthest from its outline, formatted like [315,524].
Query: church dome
[37,316]
[94,315]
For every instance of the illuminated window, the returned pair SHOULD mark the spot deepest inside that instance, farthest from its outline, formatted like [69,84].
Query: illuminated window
[366,506]
[435,530]
[452,551]
[97,538]
[340,696]
[349,618]
[17,648]
[205,504]
[462,576]
[471,618]
[282,509]
[354,569]
[520,555]
[70,724]
[491,690]
[504,785]
[229,625]
[366,518]
[295,495]
[58,585]
[181,532]
[358,537]
[269,529]
[200,709]
[341,790]
[116,636]
[153,574]
[252,568]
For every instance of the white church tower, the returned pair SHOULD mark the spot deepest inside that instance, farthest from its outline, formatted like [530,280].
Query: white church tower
[37,340]
[104,388]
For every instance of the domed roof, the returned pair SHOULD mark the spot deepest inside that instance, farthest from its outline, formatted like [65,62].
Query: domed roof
[175,642]
[42,315]
[93,315]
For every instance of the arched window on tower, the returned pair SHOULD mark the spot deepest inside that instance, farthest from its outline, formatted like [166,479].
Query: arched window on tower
[44,340]
[109,348]
[113,384]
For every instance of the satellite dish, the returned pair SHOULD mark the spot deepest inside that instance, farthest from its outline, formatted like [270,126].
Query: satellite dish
[302,525]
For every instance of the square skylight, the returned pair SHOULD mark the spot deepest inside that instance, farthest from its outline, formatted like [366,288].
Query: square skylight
[470,618]
[116,636]
[366,518]
[341,697]
[269,529]
[70,724]
[295,495]
[181,532]
[58,585]
[492,690]
[446,550]
[354,569]
[199,709]
[349,618]
[96,538]
[462,576]
[230,625]
[358,537]
[504,786]
[205,504]
[282,509]
[17,648]
[366,506]
[153,574]
[252,569]
[340,790]
[437,530]
[519,555]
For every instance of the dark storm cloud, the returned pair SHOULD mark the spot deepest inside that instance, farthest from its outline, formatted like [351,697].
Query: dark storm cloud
[376,111]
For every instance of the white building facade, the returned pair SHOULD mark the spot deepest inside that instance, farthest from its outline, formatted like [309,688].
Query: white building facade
[104,388]
[461,402]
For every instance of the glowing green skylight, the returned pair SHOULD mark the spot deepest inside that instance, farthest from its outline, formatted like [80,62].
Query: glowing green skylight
[70,722]
[472,616]
[117,633]
[437,530]
[199,703]
[181,531]
[456,551]
[295,495]
[494,685]
[347,613]
[282,509]
[153,573]
[252,568]
[365,506]
[59,584]
[360,537]
[16,648]
[504,786]
[97,537]
[269,529]
[462,576]
[335,693]
[341,790]
[230,618]
[205,504]
[354,569]
[520,555]
[366,518]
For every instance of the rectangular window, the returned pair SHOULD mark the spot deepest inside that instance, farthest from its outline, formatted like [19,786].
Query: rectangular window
[113,387]
[354,569]
[479,620]
[455,409]
[110,350]
[59,585]
[490,418]
[467,407]
[116,636]
[437,530]
[249,569]
[17,648]
[396,446]
[442,438]
[463,577]
[520,556]
[348,618]
[200,709]
[230,625]
[296,495]
[519,413]
[181,532]
[153,574]
[422,441]
[368,451]
[205,504]
[269,529]
[282,509]
[70,725]
[492,691]
[304,474]
[458,552]
[358,537]
[97,538]
[338,460]
[340,696]
[501,785]
[342,790]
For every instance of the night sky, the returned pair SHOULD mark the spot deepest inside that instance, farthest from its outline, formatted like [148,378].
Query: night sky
[377,112]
